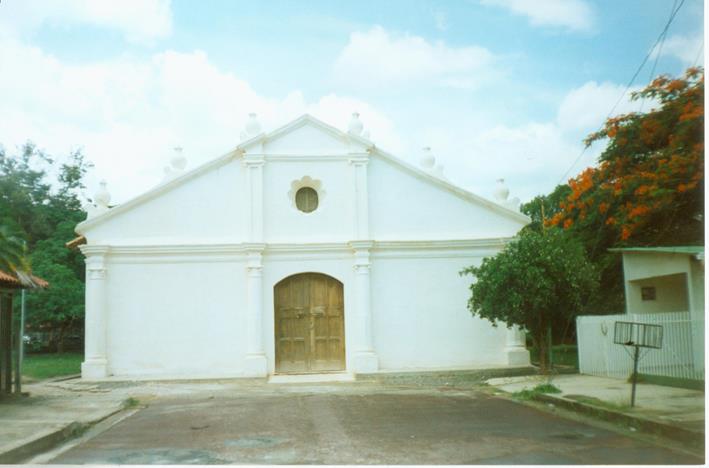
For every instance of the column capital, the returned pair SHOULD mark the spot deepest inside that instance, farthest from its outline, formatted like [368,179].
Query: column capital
[253,160]
[254,265]
[358,159]
[94,250]
[357,245]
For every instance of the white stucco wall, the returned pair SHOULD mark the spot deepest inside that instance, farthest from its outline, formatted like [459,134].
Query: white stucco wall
[420,317]
[331,222]
[404,206]
[208,208]
[176,318]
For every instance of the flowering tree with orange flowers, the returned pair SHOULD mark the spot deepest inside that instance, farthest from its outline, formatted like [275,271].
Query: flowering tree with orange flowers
[648,188]
[649,185]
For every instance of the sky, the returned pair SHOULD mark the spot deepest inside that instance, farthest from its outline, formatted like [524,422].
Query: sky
[497,88]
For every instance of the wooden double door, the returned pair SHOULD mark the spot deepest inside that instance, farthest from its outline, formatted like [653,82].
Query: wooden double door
[309,324]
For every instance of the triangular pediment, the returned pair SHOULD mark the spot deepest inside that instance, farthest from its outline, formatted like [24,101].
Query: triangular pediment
[306,135]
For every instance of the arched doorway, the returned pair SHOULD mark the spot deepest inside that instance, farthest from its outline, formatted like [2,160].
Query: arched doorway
[309,324]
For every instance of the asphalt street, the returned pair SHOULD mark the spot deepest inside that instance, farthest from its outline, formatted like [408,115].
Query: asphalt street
[358,428]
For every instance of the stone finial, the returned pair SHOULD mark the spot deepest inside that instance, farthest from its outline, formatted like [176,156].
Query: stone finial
[501,194]
[102,197]
[178,161]
[355,127]
[501,191]
[428,160]
[100,202]
[253,126]
[177,165]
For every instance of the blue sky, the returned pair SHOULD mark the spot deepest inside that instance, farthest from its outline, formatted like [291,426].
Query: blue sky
[498,88]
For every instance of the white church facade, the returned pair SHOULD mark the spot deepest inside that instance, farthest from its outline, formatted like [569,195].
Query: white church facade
[304,250]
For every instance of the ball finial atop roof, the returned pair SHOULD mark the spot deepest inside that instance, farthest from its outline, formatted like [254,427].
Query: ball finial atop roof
[355,127]
[428,160]
[102,197]
[253,126]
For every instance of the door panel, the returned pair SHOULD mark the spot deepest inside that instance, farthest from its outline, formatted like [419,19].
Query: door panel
[310,332]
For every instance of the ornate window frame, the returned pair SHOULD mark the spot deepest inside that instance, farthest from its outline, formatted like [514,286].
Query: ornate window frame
[306,181]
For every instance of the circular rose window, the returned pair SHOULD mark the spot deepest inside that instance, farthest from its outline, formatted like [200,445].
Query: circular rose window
[306,199]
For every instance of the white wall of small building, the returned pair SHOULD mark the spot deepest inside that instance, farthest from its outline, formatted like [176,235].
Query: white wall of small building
[670,294]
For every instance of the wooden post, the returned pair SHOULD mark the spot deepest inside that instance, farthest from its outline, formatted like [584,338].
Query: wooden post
[6,343]
[636,357]
[18,354]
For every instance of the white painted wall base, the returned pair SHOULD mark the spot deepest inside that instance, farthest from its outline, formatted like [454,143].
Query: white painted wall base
[255,365]
[517,356]
[94,369]
[365,362]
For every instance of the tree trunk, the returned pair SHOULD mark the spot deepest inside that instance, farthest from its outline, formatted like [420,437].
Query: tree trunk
[60,339]
[543,345]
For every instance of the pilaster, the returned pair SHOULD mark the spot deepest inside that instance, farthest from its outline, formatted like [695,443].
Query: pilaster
[359,163]
[256,364]
[254,181]
[95,365]
[365,356]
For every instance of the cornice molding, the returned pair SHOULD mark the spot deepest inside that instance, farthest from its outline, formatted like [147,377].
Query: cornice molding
[276,248]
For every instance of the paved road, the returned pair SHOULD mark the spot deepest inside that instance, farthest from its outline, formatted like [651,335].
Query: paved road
[365,428]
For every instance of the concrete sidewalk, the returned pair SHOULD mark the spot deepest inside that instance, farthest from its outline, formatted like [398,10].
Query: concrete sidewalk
[53,412]
[670,412]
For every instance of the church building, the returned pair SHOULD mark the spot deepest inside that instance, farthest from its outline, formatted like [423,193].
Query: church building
[304,250]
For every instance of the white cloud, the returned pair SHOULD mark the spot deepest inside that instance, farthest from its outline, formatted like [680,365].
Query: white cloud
[533,156]
[128,114]
[137,20]
[377,57]
[585,108]
[530,157]
[574,15]
[684,48]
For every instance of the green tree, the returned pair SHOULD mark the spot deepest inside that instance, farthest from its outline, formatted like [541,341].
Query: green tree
[39,200]
[538,279]
[544,207]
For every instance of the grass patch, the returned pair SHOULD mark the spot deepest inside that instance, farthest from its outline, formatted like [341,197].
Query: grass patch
[561,355]
[47,366]
[538,390]
[600,403]
[131,402]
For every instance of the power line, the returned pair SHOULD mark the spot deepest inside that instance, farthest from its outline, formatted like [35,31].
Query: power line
[657,56]
[630,83]
[662,43]
[699,54]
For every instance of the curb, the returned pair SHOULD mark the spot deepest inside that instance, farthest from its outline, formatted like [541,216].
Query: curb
[670,431]
[42,444]
[451,376]
[47,442]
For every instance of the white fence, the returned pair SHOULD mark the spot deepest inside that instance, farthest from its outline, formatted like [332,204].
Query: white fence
[681,356]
